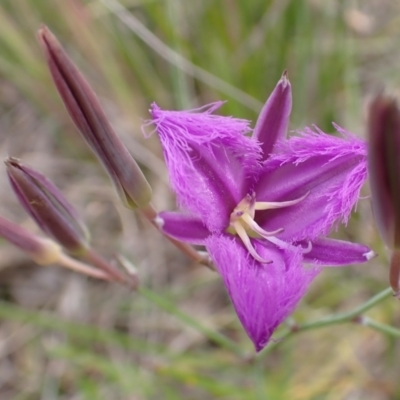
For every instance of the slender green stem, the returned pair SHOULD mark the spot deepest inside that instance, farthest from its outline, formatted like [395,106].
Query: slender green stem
[347,316]
[331,320]
[169,307]
[378,326]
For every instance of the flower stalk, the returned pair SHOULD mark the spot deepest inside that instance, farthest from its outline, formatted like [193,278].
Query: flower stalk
[45,251]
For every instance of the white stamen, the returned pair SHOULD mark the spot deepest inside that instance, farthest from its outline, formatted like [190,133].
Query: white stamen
[286,246]
[270,205]
[242,220]
[257,228]
[280,243]
[247,243]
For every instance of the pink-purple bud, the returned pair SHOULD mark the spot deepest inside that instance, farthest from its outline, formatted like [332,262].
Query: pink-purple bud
[43,251]
[47,206]
[384,172]
[90,119]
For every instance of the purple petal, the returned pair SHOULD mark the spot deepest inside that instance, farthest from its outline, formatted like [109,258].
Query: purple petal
[331,252]
[183,227]
[273,120]
[263,294]
[331,169]
[210,161]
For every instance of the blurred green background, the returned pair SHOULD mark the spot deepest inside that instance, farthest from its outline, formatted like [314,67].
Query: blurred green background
[63,336]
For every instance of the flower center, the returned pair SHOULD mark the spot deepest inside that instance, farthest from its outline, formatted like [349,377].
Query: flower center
[243,224]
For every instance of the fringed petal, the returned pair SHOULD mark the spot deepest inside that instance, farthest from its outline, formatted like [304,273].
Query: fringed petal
[210,161]
[273,120]
[263,294]
[330,168]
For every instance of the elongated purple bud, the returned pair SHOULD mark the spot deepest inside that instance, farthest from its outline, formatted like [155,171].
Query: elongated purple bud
[42,251]
[384,167]
[90,119]
[47,206]
[384,172]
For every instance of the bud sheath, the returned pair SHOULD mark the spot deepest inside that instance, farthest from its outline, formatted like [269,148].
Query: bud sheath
[89,117]
[47,206]
[42,251]
[384,167]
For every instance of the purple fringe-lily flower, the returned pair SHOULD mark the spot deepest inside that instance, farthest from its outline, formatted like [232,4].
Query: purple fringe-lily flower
[262,205]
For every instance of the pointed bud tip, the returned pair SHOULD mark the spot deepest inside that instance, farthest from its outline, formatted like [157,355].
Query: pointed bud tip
[43,30]
[285,79]
[12,162]
[370,255]
[44,35]
[13,170]
[382,105]
[159,222]
[382,110]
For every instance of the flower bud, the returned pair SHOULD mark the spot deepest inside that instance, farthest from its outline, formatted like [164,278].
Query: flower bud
[86,112]
[42,251]
[384,172]
[47,206]
[384,167]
